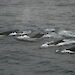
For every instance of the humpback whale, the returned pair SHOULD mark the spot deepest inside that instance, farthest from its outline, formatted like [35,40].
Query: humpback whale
[67,34]
[33,37]
[70,50]
[9,32]
[59,33]
[19,33]
[60,42]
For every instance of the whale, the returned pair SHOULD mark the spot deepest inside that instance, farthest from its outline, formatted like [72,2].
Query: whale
[59,33]
[59,42]
[33,37]
[9,32]
[70,50]
[19,33]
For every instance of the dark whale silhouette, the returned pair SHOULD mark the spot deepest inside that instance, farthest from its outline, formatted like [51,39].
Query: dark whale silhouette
[71,49]
[38,35]
[57,41]
[8,32]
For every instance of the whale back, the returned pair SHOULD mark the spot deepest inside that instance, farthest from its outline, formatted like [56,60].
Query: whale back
[8,32]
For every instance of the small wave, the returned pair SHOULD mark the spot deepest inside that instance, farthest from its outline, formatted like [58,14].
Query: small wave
[44,71]
[71,72]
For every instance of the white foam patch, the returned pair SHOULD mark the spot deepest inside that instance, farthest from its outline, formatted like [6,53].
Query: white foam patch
[65,51]
[12,34]
[66,42]
[23,37]
[44,45]
[67,33]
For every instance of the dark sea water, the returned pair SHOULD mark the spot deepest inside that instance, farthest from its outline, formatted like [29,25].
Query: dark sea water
[25,58]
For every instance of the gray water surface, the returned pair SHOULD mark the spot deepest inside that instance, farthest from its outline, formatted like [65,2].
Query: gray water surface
[25,58]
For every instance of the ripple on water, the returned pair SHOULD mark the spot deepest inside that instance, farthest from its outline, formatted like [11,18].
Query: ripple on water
[14,57]
[47,67]
[69,72]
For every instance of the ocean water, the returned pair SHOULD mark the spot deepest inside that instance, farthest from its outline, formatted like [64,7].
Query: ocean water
[25,58]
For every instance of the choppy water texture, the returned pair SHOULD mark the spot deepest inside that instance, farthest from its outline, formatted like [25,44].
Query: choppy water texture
[25,58]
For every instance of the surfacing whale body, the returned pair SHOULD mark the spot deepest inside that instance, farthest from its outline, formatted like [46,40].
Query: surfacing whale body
[30,38]
[20,33]
[9,32]
[67,34]
[58,43]
[15,32]
[70,50]
[59,33]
